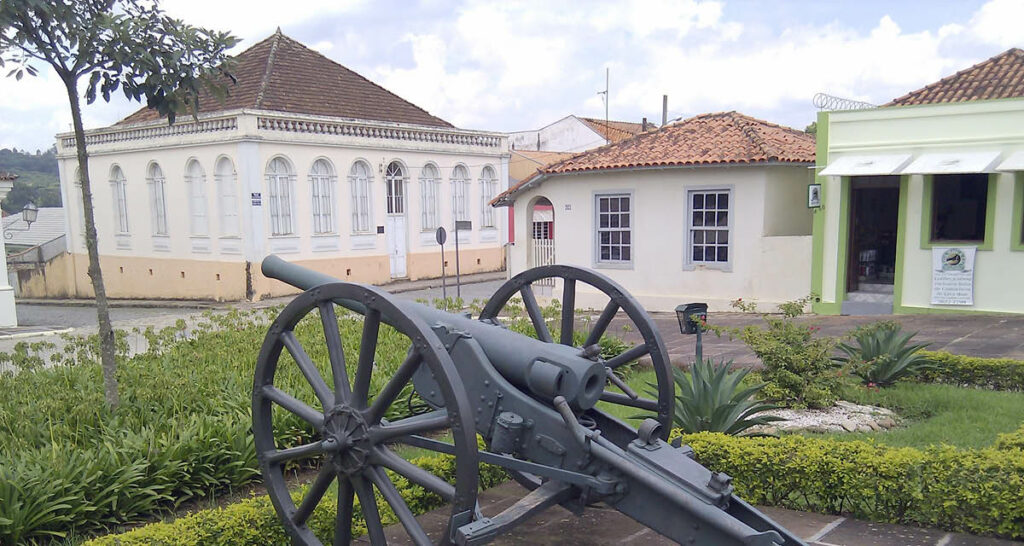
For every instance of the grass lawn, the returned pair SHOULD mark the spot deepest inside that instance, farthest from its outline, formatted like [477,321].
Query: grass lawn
[931,414]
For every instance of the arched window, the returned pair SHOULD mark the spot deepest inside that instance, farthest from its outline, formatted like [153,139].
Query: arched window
[157,199]
[460,193]
[488,189]
[321,182]
[280,189]
[195,179]
[119,186]
[395,180]
[227,197]
[430,193]
[360,179]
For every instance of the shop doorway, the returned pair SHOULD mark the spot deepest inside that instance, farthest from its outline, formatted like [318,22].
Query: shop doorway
[874,220]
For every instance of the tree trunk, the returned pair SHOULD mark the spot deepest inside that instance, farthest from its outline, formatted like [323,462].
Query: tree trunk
[107,357]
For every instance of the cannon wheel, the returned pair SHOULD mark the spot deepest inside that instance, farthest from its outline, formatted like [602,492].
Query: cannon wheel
[352,438]
[619,299]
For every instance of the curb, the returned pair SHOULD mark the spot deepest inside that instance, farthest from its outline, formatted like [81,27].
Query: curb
[43,333]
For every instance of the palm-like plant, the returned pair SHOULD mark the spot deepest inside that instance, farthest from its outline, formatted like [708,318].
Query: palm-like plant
[712,398]
[883,356]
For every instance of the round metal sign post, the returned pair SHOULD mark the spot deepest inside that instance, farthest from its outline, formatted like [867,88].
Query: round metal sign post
[441,235]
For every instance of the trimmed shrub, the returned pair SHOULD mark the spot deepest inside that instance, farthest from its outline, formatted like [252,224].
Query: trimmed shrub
[972,491]
[1003,374]
[1011,440]
[254,521]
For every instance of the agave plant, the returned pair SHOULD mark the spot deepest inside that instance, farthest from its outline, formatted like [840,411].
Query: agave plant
[883,356]
[712,398]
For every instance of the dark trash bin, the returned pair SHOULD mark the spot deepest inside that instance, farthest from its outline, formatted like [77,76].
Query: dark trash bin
[690,315]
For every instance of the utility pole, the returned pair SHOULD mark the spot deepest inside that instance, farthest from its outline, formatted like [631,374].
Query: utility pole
[605,93]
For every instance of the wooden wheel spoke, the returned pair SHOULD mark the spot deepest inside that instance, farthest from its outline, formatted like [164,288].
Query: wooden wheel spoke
[314,495]
[367,350]
[628,356]
[394,387]
[623,400]
[332,337]
[371,515]
[343,520]
[419,424]
[292,453]
[385,457]
[401,509]
[294,405]
[602,323]
[536,316]
[568,311]
[308,367]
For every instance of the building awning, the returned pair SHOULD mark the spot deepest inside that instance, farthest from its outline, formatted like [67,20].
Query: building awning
[1013,163]
[866,165]
[953,162]
[543,215]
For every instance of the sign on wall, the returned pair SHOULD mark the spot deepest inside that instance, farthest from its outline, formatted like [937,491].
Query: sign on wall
[953,275]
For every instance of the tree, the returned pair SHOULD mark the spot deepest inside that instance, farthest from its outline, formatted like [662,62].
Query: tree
[111,44]
[812,129]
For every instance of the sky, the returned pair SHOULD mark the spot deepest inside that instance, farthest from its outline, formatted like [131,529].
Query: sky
[516,65]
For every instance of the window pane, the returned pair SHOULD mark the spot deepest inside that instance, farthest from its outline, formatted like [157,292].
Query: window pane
[959,204]
[709,219]
[613,205]
[698,219]
[723,219]
[603,220]
[614,221]
[723,200]
[698,253]
[698,200]
[698,236]
[605,238]
[709,254]
[625,220]
[603,204]
[605,253]
[723,236]
[625,237]
[624,204]
[723,253]
[709,201]
[625,253]
[616,254]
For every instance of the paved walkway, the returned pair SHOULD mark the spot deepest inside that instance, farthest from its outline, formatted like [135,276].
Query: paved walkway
[607,527]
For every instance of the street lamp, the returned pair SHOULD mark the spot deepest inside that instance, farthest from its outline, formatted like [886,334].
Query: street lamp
[29,214]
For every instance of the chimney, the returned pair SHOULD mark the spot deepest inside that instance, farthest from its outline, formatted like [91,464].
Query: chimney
[664,110]
[643,125]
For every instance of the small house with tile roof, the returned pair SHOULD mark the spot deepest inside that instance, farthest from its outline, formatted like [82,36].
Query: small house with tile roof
[576,134]
[708,209]
[922,199]
[306,159]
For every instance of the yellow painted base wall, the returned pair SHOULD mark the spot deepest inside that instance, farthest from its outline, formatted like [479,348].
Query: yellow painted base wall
[154,278]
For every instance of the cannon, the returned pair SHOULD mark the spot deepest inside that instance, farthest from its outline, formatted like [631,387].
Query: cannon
[537,403]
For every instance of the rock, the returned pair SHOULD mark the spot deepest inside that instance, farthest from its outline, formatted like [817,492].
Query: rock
[848,425]
[874,426]
[816,429]
[863,428]
[887,422]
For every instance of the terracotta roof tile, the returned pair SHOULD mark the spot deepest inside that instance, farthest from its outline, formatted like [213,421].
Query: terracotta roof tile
[616,131]
[1001,77]
[7,177]
[709,139]
[282,75]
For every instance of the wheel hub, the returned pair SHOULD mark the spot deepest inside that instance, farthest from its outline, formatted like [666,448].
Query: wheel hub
[347,438]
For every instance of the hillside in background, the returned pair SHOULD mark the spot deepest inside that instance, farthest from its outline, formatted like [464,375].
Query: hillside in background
[37,178]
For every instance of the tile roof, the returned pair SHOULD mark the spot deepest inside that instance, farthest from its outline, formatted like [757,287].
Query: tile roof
[282,75]
[616,131]
[7,177]
[1001,77]
[722,138]
[523,163]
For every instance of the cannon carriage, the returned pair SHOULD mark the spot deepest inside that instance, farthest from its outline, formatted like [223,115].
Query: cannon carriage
[535,401]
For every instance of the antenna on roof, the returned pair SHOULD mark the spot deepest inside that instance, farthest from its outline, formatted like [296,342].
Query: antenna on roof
[824,101]
[607,138]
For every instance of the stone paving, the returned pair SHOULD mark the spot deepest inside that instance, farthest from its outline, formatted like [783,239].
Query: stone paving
[605,527]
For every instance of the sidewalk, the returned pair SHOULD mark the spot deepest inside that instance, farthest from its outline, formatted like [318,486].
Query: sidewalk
[606,527]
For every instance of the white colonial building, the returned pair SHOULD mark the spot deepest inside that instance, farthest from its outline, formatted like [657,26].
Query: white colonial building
[709,209]
[305,159]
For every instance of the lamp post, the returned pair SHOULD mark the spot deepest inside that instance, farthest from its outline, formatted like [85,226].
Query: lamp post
[29,214]
[691,317]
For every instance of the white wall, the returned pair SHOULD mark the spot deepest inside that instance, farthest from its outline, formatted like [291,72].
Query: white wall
[568,134]
[769,269]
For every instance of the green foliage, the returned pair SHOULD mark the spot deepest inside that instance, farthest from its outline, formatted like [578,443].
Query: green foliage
[749,306]
[797,366]
[882,356]
[1004,374]
[795,308]
[970,491]
[711,398]
[253,521]
[1011,440]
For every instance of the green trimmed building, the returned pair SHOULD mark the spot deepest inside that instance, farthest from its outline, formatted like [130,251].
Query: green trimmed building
[921,200]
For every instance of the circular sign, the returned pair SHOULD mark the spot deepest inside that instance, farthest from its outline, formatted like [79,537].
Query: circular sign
[441,235]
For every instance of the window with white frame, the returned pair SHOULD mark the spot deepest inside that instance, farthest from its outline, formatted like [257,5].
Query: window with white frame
[280,192]
[195,179]
[430,194]
[488,189]
[394,179]
[460,193]
[227,198]
[542,230]
[321,184]
[360,180]
[119,186]
[614,228]
[709,223]
[157,199]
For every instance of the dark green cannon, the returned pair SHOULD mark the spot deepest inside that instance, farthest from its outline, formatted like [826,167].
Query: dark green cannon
[534,401]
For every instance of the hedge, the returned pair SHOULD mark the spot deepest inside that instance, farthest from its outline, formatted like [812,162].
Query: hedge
[972,491]
[1011,440]
[254,521]
[1004,374]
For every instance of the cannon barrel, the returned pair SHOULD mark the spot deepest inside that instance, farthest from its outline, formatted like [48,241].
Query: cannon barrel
[544,369]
